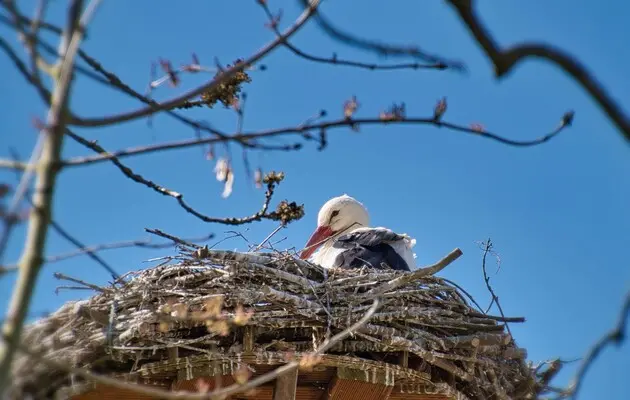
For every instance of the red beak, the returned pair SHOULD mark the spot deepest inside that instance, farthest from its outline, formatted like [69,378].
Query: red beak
[317,239]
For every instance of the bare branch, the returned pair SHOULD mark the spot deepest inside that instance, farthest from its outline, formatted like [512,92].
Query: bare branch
[175,239]
[505,60]
[70,238]
[43,92]
[141,243]
[487,247]
[53,134]
[303,129]
[262,214]
[93,145]
[336,61]
[84,285]
[227,74]
[426,271]
[383,49]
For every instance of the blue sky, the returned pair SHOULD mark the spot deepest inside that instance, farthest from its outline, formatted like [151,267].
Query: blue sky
[557,213]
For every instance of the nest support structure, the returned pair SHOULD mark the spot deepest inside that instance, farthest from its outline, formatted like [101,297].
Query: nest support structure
[218,313]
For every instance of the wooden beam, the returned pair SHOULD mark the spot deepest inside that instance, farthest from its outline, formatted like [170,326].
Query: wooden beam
[248,339]
[173,353]
[286,386]
[403,359]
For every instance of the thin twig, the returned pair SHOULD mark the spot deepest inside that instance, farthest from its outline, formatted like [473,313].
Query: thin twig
[269,237]
[67,236]
[417,274]
[142,243]
[382,49]
[316,127]
[176,240]
[128,172]
[60,276]
[213,84]
[487,248]
[337,61]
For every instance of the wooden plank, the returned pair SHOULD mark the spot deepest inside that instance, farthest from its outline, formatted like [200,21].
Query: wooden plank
[173,353]
[286,386]
[248,339]
[404,359]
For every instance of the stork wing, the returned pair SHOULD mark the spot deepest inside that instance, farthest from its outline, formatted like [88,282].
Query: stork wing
[370,246]
[367,237]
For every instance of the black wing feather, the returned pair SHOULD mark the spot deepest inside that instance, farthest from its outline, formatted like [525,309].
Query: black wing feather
[372,237]
[368,248]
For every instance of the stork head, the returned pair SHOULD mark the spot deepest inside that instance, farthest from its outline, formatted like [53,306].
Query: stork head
[336,216]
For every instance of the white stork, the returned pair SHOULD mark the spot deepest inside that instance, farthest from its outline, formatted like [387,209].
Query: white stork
[345,240]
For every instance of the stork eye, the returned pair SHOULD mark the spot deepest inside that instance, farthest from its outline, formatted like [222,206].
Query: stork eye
[334,214]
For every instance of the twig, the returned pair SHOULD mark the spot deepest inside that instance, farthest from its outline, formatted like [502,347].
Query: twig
[80,245]
[128,172]
[184,242]
[52,139]
[142,243]
[61,276]
[487,248]
[225,75]
[110,80]
[261,214]
[43,92]
[461,289]
[123,168]
[20,192]
[381,48]
[269,237]
[616,336]
[215,395]
[336,61]
[505,60]
[412,276]
[68,237]
[306,128]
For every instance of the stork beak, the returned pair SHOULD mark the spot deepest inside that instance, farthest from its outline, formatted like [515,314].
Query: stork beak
[317,239]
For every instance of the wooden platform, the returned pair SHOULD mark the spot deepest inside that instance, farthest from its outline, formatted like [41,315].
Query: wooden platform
[334,378]
[343,385]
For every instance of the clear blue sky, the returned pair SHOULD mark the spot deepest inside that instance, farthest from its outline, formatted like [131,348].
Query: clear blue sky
[558,213]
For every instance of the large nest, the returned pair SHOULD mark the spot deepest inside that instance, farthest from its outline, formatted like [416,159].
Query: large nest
[144,324]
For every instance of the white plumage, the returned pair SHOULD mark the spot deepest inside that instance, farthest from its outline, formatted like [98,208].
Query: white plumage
[343,239]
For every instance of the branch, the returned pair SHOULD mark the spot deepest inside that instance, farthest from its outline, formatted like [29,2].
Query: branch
[113,81]
[142,243]
[505,60]
[215,395]
[93,145]
[616,336]
[417,274]
[212,85]
[304,129]
[176,195]
[43,92]
[382,48]
[175,239]
[495,299]
[336,61]
[70,238]
[52,135]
